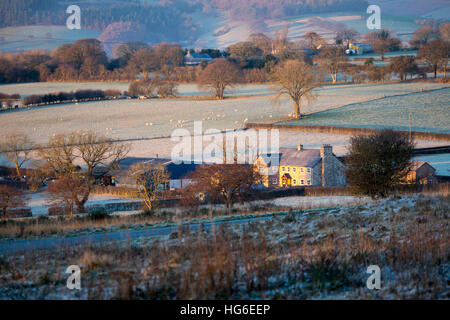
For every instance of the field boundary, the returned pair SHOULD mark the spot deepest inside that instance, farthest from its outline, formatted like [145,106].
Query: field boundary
[343,130]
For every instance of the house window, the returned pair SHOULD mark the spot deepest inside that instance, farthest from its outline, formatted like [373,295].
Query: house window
[274,181]
[283,168]
[302,182]
[289,169]
[301,169]
[295,182]
[308,182]
[293,169]
[308,170]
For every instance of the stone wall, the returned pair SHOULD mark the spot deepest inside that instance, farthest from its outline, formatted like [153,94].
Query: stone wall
[333,171]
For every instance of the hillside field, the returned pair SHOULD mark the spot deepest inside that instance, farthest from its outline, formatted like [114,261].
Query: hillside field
[136,119]
[430,112]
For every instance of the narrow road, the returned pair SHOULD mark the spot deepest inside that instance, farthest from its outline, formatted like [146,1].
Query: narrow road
[15,246]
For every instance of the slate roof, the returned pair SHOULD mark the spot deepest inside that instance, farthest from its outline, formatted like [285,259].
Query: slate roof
[176,171]
[302,158]
[126,163]
[196,58]
[415,165]
[294,157]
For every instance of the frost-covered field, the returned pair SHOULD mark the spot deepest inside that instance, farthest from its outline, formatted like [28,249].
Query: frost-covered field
[135,119]
[39,202]
[326,24]
[305,254]
[40,37]
[288,139]
[430,111]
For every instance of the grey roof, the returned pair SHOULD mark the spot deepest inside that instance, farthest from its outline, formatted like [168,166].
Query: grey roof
[268,158]
[198,55]
[302,158]
[126,163]
[294,157]
[416,165]
[176,171]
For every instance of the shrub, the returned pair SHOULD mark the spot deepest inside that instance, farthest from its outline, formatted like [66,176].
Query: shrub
[377,164]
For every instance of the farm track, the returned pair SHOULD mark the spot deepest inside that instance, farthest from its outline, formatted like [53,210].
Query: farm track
[14,246]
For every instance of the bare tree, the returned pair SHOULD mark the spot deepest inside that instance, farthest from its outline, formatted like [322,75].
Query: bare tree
[169,54]
[219,75]
[297,80]
[262,41]
[143,61]
[150,179]
[59,155]
[99,151]
[346,35]
[126,50]
[17,148]
[423,35]
[435,54]
[92,151]
[382,41]
[444,30]
[225,181]
[313,40]
[68,192]
[403,66]
[332,59]
[10,198]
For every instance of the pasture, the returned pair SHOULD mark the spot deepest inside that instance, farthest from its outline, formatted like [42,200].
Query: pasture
[430,112]
[136,119]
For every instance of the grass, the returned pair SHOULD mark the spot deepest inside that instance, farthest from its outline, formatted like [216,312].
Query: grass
[277,259]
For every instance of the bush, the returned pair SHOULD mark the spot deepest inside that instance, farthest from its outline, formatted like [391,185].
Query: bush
[377,164]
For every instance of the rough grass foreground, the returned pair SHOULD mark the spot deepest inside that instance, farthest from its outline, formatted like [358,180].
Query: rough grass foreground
[320,255]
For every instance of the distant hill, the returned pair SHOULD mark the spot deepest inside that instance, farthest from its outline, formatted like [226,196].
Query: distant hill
[206,23]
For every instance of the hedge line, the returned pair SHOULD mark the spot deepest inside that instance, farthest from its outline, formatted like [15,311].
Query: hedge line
[60,97]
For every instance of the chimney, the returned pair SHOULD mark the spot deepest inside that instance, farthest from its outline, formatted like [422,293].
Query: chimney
[300,147]
[326,153]
[326,150]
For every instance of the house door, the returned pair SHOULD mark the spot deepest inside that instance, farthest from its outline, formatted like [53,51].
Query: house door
[286,180]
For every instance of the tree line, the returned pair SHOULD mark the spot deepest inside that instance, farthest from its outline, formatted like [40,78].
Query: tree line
[256,57]
[79,95]
[159,20]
